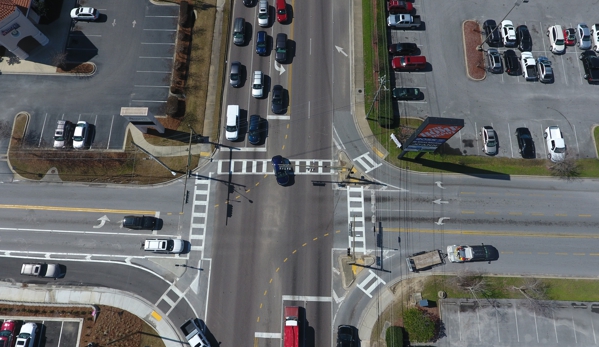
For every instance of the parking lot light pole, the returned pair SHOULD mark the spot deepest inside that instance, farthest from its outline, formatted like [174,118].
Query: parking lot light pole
[517,3]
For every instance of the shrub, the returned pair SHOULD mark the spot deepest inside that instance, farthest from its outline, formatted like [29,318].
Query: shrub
[394,337]
[172,106]
[420,326]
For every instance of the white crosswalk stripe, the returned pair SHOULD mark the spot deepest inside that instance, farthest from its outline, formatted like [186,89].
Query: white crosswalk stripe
[356,216]
[264,167]
[367,287]
[367,163]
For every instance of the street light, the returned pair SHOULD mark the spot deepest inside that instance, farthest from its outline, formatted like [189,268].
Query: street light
[517,3]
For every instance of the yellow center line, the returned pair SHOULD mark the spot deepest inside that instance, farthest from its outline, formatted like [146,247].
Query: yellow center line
[73,209]
[495,233]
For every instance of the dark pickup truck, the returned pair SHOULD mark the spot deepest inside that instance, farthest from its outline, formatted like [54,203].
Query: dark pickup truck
[590,62]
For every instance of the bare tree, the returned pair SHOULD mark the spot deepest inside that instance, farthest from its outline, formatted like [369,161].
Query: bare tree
[535,292]
[566,169]
[473,282]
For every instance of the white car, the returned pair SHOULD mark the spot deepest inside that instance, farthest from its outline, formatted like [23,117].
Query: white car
[263,13]
[26,336]
[595,37]
[81,135]
[89,14]
[556,39]
[489,140]
[258,85]
[508,33]
[584,36]
[555,144]
[529,66]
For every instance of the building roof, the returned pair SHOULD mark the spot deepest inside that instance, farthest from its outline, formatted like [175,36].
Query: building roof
[8,6]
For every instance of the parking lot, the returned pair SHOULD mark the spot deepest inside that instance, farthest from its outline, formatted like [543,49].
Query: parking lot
[132,45]
[54,332]
[513,323]
[502,101]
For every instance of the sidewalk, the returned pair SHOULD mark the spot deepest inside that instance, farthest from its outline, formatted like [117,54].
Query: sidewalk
[138,306]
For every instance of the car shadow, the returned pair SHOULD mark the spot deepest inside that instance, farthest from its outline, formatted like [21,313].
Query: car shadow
[291,47]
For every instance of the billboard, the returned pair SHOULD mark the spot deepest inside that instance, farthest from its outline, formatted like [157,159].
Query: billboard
[431,134]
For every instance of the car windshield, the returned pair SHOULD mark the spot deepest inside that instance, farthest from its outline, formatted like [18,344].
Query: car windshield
[262,44]
[281,11]
[231,128]
[263,15]
[277,101]
[257,86]
[234,77]
[491,144]
[5,333]
[281,50]
[559,42]
[78,138]
[560,150]
[586,38]
[57,138]
[170,244]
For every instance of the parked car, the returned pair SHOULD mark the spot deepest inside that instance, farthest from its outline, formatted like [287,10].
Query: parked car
[88,14]
[51,270]
[8,333]
[555,144]
[281,48]
[248,3]
[261,42]
[545,70]
[508,33]
[254,130]
[595,37]
[491,33]
[281,11]
[399,6]
[570,36]
[235,74]
[282,168]
[526,145]
[494,61]
[512,63]
[26,337]
[584,36]
[523,38]
[406,93]
[590,63]
[263,16]
[345,336]
[489,138]
[140,222]
[403,48]
[408,63]
[556,39]
[278,102]
[81,135]
[258,85]
[529,66]
[62,134]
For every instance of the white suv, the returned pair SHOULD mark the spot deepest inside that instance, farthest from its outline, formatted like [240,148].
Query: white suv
[556,39]
[26,336]
[555,144]
[258,85]
[263,13]
[595,37]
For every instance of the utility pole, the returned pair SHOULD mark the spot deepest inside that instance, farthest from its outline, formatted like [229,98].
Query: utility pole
[382,81]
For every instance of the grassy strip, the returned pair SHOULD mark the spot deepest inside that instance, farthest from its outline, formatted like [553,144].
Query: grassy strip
[368,33]
[501,288]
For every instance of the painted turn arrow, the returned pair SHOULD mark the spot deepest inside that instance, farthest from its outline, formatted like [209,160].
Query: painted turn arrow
[103,221]
[439,202]
[439,184]
[340,50]
[279,68]
[440,221]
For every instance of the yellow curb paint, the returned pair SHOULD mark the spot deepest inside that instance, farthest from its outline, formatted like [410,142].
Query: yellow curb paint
[156,316]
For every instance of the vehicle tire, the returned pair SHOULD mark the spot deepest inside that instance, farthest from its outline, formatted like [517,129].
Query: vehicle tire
[549,156]
[544,135]
[586,77]
[580,57]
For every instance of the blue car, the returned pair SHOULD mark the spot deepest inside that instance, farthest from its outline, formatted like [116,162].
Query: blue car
[254,130]
[282,168]
[261,43]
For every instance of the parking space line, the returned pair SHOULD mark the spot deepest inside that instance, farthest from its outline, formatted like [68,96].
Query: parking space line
[158,43]
[110,132]
[509,135]
[142,57]
[162,101]
[146,86]
[42,132]
[141,71]
[160,29]
[554,326]
[576,138]
[162,16]
[517,330]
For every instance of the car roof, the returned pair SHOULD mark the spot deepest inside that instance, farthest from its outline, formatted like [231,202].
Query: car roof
[261,35]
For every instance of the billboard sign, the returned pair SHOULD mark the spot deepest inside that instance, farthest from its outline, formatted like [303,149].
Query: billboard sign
[432,133]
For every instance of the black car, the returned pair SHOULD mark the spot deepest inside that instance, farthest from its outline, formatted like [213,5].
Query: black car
[491,33]
[140,223]
[484,253]
[590,63]
[278,100]
[282,168]
[406,93]
[523,38]
[281,48]
[248,2]
[254,130]
[345,336]
[525,143]
[512,63]
[405,48]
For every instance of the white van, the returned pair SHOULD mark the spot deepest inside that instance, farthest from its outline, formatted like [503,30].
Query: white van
[163,246]
[556,39]
[232,125]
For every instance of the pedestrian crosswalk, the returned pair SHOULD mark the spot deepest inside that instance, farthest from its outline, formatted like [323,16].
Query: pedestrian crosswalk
[357,221]
[367,163]
[264,167]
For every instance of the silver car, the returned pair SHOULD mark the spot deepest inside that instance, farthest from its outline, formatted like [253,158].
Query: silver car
[584,36]
[494,61]
[489,140]
[545,70]
[235,75]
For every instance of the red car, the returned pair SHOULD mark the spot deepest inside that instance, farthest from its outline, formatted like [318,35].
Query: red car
[8,333]
[398,6]
[570,36]
[408,63]
[281,11]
